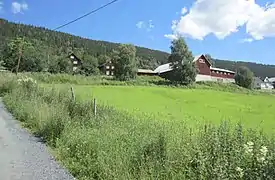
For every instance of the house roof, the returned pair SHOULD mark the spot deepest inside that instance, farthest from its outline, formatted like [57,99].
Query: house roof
[257,80]
[198,57]
[272,79]
[145,71]
[163,68]
[72,54]
[220,69]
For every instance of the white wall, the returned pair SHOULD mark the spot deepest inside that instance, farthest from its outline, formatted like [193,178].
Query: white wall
[211,78]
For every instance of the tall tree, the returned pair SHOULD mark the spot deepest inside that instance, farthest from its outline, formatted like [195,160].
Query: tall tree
[125,62]
[244,77]
[14,52]
[181,58]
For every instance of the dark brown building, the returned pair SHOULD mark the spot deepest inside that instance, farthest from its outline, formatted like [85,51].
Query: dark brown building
[107,68]
[75,61]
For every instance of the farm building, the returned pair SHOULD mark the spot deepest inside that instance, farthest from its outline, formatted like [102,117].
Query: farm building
[147,72]
[258,83]
[107,68]
[206,71]
[75,61]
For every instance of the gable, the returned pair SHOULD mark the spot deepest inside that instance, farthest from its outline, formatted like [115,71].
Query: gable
[201,59]
[73,58]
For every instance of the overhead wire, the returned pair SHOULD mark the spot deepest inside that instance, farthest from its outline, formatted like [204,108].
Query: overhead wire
[87,14]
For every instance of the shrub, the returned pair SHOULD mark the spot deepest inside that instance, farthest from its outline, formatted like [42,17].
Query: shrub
[244,77]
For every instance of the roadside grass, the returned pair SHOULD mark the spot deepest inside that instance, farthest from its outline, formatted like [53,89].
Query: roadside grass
[123,145]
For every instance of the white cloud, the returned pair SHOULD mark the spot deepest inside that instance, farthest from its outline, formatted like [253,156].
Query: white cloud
[249,40]
[223,18]
[17,7]
[1,6]
[145,25]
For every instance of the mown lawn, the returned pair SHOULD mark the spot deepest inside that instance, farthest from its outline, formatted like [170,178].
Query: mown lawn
[190,106]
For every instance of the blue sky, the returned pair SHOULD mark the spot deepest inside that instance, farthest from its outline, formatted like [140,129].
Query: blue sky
[209,26]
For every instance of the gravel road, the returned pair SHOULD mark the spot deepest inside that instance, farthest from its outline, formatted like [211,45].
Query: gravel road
[22,156]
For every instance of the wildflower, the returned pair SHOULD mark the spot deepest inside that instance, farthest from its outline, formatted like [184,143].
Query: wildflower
[263,150]
[248,147]
[240,171]
[262,155]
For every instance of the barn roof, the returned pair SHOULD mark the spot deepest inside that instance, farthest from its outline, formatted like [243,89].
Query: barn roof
[220,69]
[163,68]
[271,79]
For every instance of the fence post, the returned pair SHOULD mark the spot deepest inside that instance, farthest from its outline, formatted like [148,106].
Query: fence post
[94,106]
[73,95]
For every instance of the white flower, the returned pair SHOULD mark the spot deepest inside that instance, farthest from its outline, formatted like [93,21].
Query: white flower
[240,171]
[248,147]
[264,150]
[250,143]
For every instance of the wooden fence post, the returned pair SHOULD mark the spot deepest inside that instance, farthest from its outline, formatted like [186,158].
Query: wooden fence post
[94,106]
[73,95]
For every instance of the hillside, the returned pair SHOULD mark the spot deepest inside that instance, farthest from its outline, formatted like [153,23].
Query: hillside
[52,43]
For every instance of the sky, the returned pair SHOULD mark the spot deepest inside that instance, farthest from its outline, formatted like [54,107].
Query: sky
[239,30]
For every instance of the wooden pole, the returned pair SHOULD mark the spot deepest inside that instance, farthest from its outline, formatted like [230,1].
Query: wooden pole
[94,106]
[20,55]
[73,95]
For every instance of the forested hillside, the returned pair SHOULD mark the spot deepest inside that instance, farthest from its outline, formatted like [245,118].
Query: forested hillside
[50,47]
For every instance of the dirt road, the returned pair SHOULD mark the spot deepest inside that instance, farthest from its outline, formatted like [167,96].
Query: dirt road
[22,156]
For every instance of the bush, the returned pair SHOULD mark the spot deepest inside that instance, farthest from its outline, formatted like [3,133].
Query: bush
[244,77]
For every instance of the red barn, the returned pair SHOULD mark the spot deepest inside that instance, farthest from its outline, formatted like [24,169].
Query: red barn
[206,71]
[209,73]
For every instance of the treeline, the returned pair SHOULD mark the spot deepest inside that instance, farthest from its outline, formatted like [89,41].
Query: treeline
[53,44]
[51,47]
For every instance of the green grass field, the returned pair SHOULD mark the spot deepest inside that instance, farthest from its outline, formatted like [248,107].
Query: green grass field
[190,106]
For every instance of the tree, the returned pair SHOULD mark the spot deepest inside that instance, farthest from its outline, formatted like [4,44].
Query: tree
[210,59]
[89,66]
[125,62]
[184,70]
[244,77]
[14,54]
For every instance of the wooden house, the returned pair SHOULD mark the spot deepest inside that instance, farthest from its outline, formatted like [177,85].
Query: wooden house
[107,68]
[76,62]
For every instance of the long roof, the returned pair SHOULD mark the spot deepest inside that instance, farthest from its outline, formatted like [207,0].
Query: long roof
[220,69]
[163,68]
[271,79]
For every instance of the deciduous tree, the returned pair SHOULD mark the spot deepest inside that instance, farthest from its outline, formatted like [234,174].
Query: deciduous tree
[244,77]
[181,58]
[125,62]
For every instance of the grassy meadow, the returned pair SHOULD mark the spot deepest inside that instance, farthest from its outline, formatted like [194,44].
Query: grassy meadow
[192,107]
[147,132]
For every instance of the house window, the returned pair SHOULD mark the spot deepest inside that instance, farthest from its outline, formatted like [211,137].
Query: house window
[75,62]
[107,73]
[113,67]
[112,73]
[107,67]
[201,61]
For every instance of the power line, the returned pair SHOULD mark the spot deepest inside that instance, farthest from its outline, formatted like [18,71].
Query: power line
[89,13]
